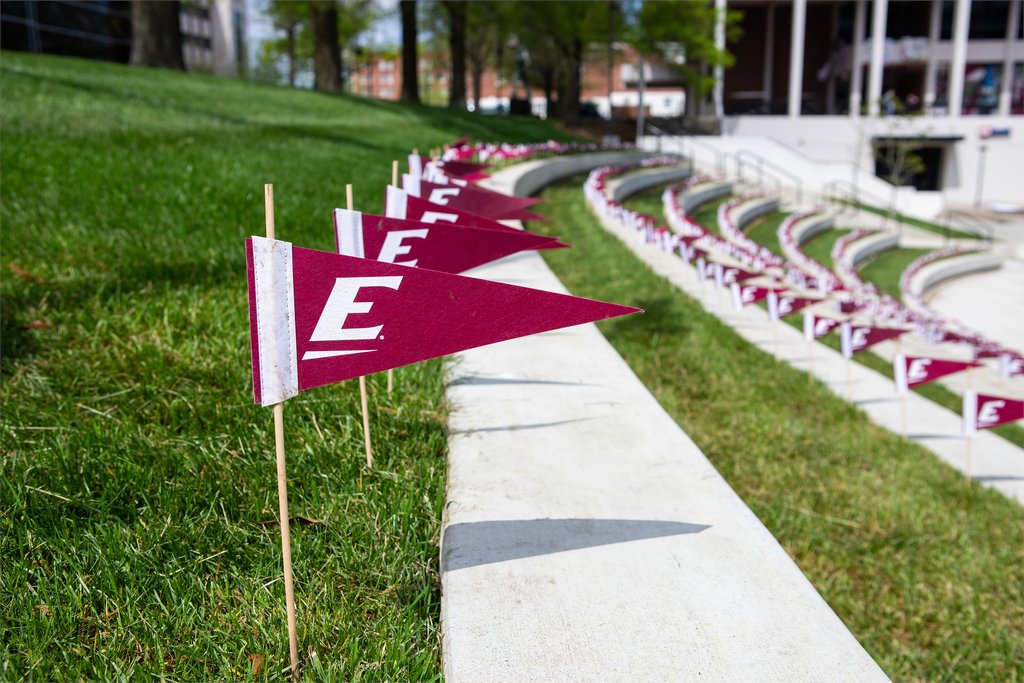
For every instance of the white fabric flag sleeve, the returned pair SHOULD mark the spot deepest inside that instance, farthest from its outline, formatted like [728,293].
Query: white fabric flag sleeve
[348,232]
[970,412]
[415,165]
[272,310]
[773,306]
[899,373]
[846,339]
[737,300]
[808,326]
[395,203]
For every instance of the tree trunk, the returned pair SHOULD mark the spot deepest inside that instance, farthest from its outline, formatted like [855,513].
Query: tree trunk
[156,35]
[548,83]
[478,85]
[457,45]
[571,106]
[410,70]
[326,50]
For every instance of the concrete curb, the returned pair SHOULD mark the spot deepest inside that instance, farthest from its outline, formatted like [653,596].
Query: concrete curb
[940,272]
[754,209]
[586,537]
[701,194]
[622,188]
[808,228]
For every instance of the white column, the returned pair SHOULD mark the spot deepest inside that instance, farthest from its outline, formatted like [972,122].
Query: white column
[934,29]
[796,57]
[857,58]
[878,20]
[222,37]
[961,21]
[769,54]
[1006,89]
[719,69]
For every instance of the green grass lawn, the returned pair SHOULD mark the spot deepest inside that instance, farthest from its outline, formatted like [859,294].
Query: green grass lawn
[138,501]
[820,246]
[707,213]
[764,230]
[884,269]
[923,566]
[898,217]
[647,201]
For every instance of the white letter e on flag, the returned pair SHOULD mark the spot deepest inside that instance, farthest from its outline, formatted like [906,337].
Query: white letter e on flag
[342,302]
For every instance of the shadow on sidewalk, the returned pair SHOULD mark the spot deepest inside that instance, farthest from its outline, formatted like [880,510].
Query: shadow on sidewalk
[472,544]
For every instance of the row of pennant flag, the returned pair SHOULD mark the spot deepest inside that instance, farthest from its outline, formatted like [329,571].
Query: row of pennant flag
[393,293]
[794,287]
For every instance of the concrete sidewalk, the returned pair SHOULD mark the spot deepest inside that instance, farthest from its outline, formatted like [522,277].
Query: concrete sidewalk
[587,538]
[990,460]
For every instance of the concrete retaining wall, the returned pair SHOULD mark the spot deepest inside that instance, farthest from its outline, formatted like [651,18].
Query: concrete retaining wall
[863,249]
[807,228]
[934,274]
[631,184]
[534,175]
[748,211]
[702,194]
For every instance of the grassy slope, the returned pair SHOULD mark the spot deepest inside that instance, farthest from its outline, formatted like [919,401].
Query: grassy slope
[922,566]
[764,230]
[885,269]
[930,226]
[820,246]
[137,477]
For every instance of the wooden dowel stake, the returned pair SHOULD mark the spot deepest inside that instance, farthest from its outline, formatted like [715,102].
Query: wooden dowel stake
[362,380]
[970,437]
[810,363]
[282,485]
[849,378]
[286,544]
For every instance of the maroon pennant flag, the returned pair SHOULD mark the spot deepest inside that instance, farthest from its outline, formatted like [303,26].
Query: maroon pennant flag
[850,306]
[471,199]
[744,295]
[911,371]
[816,326]
[401,204]
[317,318]
[463,169]
[854,338]
[986,352]
[447,247]
[444,180]
[783,305]
[726,275]
[981,411]
[1011,364]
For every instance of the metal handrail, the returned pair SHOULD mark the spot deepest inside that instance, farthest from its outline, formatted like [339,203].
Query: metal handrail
[833,191]
[762,162]
[974,224]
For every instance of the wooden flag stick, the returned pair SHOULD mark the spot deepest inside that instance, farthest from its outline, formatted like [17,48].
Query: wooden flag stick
[970,437]
[849,378]
[282,486]
[362,380]
[810,362]
[903,396]
[394,182]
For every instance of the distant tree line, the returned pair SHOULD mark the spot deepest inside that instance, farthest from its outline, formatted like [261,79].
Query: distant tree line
[533,45]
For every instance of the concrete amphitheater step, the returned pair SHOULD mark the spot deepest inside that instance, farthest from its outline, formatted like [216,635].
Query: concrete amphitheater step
[586,537]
